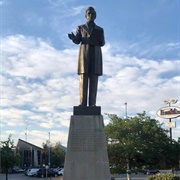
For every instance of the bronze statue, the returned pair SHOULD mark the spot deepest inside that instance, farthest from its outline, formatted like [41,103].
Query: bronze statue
[90,67]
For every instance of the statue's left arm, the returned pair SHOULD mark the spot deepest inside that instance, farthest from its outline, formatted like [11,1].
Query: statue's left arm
[101,39]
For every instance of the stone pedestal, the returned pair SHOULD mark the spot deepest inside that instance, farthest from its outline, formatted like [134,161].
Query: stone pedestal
[86,157]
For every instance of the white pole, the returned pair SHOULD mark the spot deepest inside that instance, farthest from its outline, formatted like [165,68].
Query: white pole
[49,151]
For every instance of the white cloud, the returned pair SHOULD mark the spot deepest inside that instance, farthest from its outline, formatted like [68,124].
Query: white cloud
[38,137]
[13,116]
[40,86]
[47,124]
[143,48]
[35,59]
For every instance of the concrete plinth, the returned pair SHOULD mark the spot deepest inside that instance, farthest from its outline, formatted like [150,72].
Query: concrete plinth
[84,110]
[86,157]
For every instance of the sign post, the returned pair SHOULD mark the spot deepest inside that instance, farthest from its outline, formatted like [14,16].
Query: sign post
[169,112]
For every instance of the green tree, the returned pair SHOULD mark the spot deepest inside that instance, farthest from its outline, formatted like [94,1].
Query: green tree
[172,157]
[57,155]
[136,141]
[45,152]
[8,158]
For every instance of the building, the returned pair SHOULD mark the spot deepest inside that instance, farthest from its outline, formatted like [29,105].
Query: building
[30,154]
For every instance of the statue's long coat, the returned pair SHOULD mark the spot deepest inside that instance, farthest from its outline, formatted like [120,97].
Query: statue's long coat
[83,34]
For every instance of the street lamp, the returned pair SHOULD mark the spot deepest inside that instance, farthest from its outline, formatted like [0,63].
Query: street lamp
[172,101]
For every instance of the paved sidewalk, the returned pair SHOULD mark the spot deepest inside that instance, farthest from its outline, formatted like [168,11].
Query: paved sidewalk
[23,177]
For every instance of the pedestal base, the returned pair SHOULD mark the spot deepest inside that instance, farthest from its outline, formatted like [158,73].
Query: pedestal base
[86,157]
[87,110]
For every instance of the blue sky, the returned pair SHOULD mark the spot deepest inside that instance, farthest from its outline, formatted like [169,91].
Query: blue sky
[39,84]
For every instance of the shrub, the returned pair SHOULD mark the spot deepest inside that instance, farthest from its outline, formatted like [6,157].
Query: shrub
[164,177]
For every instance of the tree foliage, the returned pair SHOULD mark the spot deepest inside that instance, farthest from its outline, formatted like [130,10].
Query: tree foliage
[8,158]
[137,141]
[57,155]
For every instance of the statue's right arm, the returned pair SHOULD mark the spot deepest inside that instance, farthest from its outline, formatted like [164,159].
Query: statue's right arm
[76,38]
[71,36]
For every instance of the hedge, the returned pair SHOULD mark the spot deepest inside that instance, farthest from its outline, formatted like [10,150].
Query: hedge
[164,177]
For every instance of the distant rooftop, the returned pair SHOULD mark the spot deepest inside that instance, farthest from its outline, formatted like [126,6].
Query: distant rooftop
[63,148]
[26,145]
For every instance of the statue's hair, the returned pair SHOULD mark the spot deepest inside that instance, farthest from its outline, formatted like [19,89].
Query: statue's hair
[90,8]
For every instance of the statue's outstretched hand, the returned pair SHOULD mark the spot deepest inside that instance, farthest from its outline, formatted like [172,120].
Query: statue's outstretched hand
[71,36]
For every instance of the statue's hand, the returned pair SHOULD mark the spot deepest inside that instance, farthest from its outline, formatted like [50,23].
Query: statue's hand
[71,36]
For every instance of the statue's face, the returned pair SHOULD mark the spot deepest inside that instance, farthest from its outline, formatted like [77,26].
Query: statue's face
[90,15]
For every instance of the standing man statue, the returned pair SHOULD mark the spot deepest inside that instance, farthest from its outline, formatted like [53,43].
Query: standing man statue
[90,65]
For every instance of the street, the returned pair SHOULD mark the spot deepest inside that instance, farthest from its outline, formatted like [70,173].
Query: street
[23,177]
[133,177]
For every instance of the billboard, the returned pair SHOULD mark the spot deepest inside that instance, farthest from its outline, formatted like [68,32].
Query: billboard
[169,112]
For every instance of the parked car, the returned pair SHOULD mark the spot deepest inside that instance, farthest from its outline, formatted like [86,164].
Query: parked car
[155,171]
[31,172]
[25,172]
[15,169]
[57,169]
[42,173]
[18,170]
[61,172]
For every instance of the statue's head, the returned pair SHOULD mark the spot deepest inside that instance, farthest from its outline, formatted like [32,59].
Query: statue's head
[90,14]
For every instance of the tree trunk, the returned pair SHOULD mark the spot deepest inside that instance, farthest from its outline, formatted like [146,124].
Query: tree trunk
[7,174]
[128,169]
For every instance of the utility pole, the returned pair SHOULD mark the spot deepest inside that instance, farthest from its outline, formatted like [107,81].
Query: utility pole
[125,109]
[128,171]
[26,134]
[49,153]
